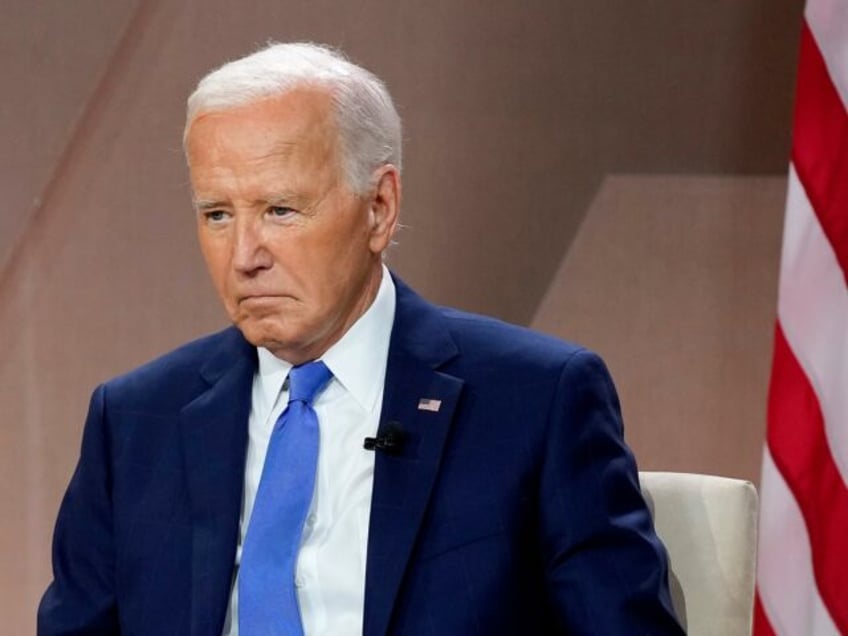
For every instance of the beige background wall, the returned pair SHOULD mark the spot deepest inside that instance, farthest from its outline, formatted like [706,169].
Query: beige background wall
[609,171]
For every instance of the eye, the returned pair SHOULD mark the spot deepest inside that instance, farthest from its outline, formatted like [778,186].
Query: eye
[280,211]
[215,216]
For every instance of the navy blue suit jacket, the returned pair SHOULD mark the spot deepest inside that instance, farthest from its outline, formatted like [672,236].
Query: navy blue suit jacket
[514,509]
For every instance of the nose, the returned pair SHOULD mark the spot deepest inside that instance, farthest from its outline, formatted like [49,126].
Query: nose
[250,253]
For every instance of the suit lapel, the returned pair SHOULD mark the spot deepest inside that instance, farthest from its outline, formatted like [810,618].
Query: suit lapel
[404,480]
[214,434]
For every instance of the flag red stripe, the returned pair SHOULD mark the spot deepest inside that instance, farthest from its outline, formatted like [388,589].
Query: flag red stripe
[797,435]
[762,626]
[820,141]
[798,443]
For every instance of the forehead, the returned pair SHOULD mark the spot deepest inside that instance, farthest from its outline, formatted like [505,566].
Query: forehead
[296,122]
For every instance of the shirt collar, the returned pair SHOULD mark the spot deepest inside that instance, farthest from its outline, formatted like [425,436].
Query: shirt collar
[357,361]
[272,373]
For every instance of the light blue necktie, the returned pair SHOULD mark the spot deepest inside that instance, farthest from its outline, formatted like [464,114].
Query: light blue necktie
[267,604]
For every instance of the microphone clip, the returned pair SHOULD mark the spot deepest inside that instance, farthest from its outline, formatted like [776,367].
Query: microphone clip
[389,442]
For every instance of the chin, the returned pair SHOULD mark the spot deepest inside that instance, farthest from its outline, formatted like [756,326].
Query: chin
[258,332]
[264,333]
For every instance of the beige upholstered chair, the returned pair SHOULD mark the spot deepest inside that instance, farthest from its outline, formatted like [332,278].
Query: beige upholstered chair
[709,527]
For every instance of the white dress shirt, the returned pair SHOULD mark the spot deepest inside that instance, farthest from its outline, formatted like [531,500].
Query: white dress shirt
[330,570]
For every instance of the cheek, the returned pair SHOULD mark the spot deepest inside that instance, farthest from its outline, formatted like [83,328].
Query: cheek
[206,247]
[216,264]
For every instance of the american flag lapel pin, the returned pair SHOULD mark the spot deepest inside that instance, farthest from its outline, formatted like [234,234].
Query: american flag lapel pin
[429,404]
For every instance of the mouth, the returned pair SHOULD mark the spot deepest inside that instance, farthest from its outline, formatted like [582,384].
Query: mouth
[260,298]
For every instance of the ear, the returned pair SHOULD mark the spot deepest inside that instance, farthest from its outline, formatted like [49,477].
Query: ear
[384,207]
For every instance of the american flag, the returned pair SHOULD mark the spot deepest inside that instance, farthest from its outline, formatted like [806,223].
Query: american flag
[802,572]
[429,404]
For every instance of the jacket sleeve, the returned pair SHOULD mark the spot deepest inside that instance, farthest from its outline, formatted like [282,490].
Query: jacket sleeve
[606,570]
[81,597]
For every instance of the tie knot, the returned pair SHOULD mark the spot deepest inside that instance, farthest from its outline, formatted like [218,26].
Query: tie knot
[307,380]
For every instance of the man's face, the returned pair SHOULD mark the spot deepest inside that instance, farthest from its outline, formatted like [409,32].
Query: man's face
[293,253]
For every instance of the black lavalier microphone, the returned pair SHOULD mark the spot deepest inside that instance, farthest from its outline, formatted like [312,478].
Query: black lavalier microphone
[389,442]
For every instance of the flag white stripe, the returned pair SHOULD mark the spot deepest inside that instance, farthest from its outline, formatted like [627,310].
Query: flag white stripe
[785,577]
[813,316]
[813,311]
[828,20]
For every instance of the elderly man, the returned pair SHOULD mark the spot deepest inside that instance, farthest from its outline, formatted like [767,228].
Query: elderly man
[347,458]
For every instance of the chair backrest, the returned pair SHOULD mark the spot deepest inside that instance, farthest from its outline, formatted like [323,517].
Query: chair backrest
[709,527]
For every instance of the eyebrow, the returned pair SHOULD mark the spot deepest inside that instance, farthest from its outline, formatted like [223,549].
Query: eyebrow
[283,197]
[207,204]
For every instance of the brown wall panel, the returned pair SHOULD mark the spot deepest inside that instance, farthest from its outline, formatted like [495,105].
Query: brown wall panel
[674,281]
[53,56]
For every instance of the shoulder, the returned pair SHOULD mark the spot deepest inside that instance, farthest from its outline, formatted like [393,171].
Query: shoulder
[493,334]
[506,357]
[483,341]
[504,345]
[180,373]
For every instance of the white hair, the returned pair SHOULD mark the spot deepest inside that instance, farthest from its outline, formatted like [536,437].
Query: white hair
[369,126]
